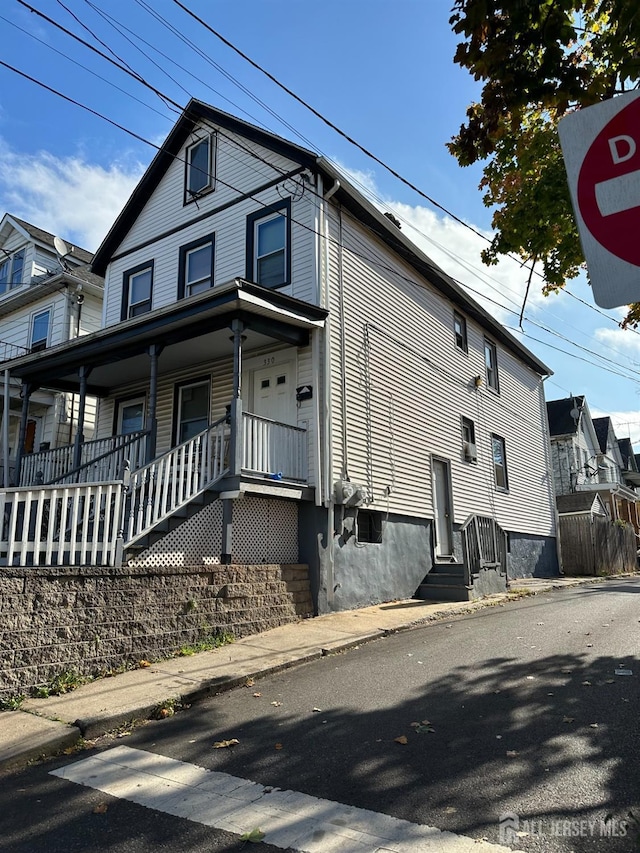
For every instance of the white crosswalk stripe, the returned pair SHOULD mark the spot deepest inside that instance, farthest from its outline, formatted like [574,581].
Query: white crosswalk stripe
[287,818]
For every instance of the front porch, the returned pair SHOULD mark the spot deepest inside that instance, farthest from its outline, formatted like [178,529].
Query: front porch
[94,502]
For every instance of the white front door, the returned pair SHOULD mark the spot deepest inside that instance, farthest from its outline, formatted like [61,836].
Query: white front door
[274,393]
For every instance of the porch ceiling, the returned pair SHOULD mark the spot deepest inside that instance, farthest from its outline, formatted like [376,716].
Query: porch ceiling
[191,332]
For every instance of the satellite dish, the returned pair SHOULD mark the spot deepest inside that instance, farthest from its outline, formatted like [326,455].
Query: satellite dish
[575,413]
[60,246]
[62,250]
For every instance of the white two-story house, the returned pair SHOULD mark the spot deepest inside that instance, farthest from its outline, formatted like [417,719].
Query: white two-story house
[284,377]
[47,296]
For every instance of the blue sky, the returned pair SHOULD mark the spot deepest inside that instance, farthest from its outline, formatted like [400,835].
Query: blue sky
[383,72]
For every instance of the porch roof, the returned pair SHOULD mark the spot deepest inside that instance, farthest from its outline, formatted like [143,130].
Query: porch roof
[118,354]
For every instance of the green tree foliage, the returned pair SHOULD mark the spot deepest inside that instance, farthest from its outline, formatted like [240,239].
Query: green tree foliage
[538,60]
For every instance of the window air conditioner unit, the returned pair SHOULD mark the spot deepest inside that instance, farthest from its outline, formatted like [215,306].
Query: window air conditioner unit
[470,453]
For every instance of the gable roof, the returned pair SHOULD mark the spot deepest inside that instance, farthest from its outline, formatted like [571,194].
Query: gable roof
[39,235]
[626,451]
[602,426]
[561,422]
[345,193]
[581,502]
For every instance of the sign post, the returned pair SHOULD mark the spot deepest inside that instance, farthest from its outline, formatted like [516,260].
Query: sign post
[601,149]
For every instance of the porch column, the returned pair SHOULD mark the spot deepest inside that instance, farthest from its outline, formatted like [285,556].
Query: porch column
[27,388]
[152,420]
[235,439]
[77,445]
[5,426]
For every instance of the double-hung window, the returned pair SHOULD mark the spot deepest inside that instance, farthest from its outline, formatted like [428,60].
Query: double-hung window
[469,440]
[192,409]
[460,331]
[269,245]
[196,267]
[499,462]
[200,160]
[11,270]
[491,364]
[40,324]
[137,289]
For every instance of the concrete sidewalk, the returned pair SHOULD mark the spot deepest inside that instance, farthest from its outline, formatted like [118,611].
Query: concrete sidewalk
[43,727]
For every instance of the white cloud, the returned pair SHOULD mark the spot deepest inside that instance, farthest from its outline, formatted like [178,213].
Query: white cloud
[625,341]
[500,289]
[67,196]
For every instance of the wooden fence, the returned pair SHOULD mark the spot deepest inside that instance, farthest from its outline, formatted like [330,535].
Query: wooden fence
[592,545]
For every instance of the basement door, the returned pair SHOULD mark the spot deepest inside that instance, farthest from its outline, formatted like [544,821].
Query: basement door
[442,508]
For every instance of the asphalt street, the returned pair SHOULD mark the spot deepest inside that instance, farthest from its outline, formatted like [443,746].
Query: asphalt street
[523,709]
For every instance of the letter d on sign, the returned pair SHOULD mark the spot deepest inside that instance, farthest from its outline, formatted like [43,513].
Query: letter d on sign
[619,155]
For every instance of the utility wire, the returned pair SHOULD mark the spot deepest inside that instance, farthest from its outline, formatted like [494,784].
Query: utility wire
[142,139]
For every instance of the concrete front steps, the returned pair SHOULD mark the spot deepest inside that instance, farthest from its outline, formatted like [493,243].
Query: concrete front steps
[445,582]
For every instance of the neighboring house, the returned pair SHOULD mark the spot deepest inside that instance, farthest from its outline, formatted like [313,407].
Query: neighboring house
[46,298]
[587,458]
[284,377]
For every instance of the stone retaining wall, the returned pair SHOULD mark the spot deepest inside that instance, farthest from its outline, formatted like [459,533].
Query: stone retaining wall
[92,620]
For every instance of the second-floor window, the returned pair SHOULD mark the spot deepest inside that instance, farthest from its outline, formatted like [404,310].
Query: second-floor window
[40,324]
[491,364]
[137,289]
[269,245]
[460,331]
[196,267]
[11,270]
[469,440]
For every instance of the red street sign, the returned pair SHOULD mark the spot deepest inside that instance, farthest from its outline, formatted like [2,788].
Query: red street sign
[601,148]
[609,185]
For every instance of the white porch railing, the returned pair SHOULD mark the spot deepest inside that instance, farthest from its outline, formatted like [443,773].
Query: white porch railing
[171,481]
[55,526]
[108,454]
[272,448]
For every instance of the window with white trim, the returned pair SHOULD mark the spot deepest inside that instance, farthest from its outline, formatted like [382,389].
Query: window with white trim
[40,327]
[499,455]
[460,331]
[137,289]
[200,158]
[11,270]
[469,440]
[491,364]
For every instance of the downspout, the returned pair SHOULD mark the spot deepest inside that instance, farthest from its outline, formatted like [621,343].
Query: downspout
[327,556]
[343,350]
[5,426]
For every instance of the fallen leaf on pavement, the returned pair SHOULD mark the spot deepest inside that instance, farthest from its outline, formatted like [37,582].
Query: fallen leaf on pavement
[402,740]
[101,808]
[278,746]
[276,704]
[144,663]
[257,695]
[568,719]
[593,725]
[511,753]
[254,836]
[249,682]
[222,744]
[586,683]
[317,710]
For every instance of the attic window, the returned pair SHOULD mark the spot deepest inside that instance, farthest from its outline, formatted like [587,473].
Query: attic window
[11,269]
[200,159]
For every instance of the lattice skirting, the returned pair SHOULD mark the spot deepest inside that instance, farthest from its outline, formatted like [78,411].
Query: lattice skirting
[265,530]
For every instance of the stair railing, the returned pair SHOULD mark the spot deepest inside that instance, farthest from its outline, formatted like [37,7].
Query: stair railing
[158,489]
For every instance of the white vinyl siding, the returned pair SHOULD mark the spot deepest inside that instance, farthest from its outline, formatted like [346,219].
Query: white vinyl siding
[239,173]
[406,394]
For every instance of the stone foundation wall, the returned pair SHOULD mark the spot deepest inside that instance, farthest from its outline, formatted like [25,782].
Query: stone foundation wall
[92,620]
